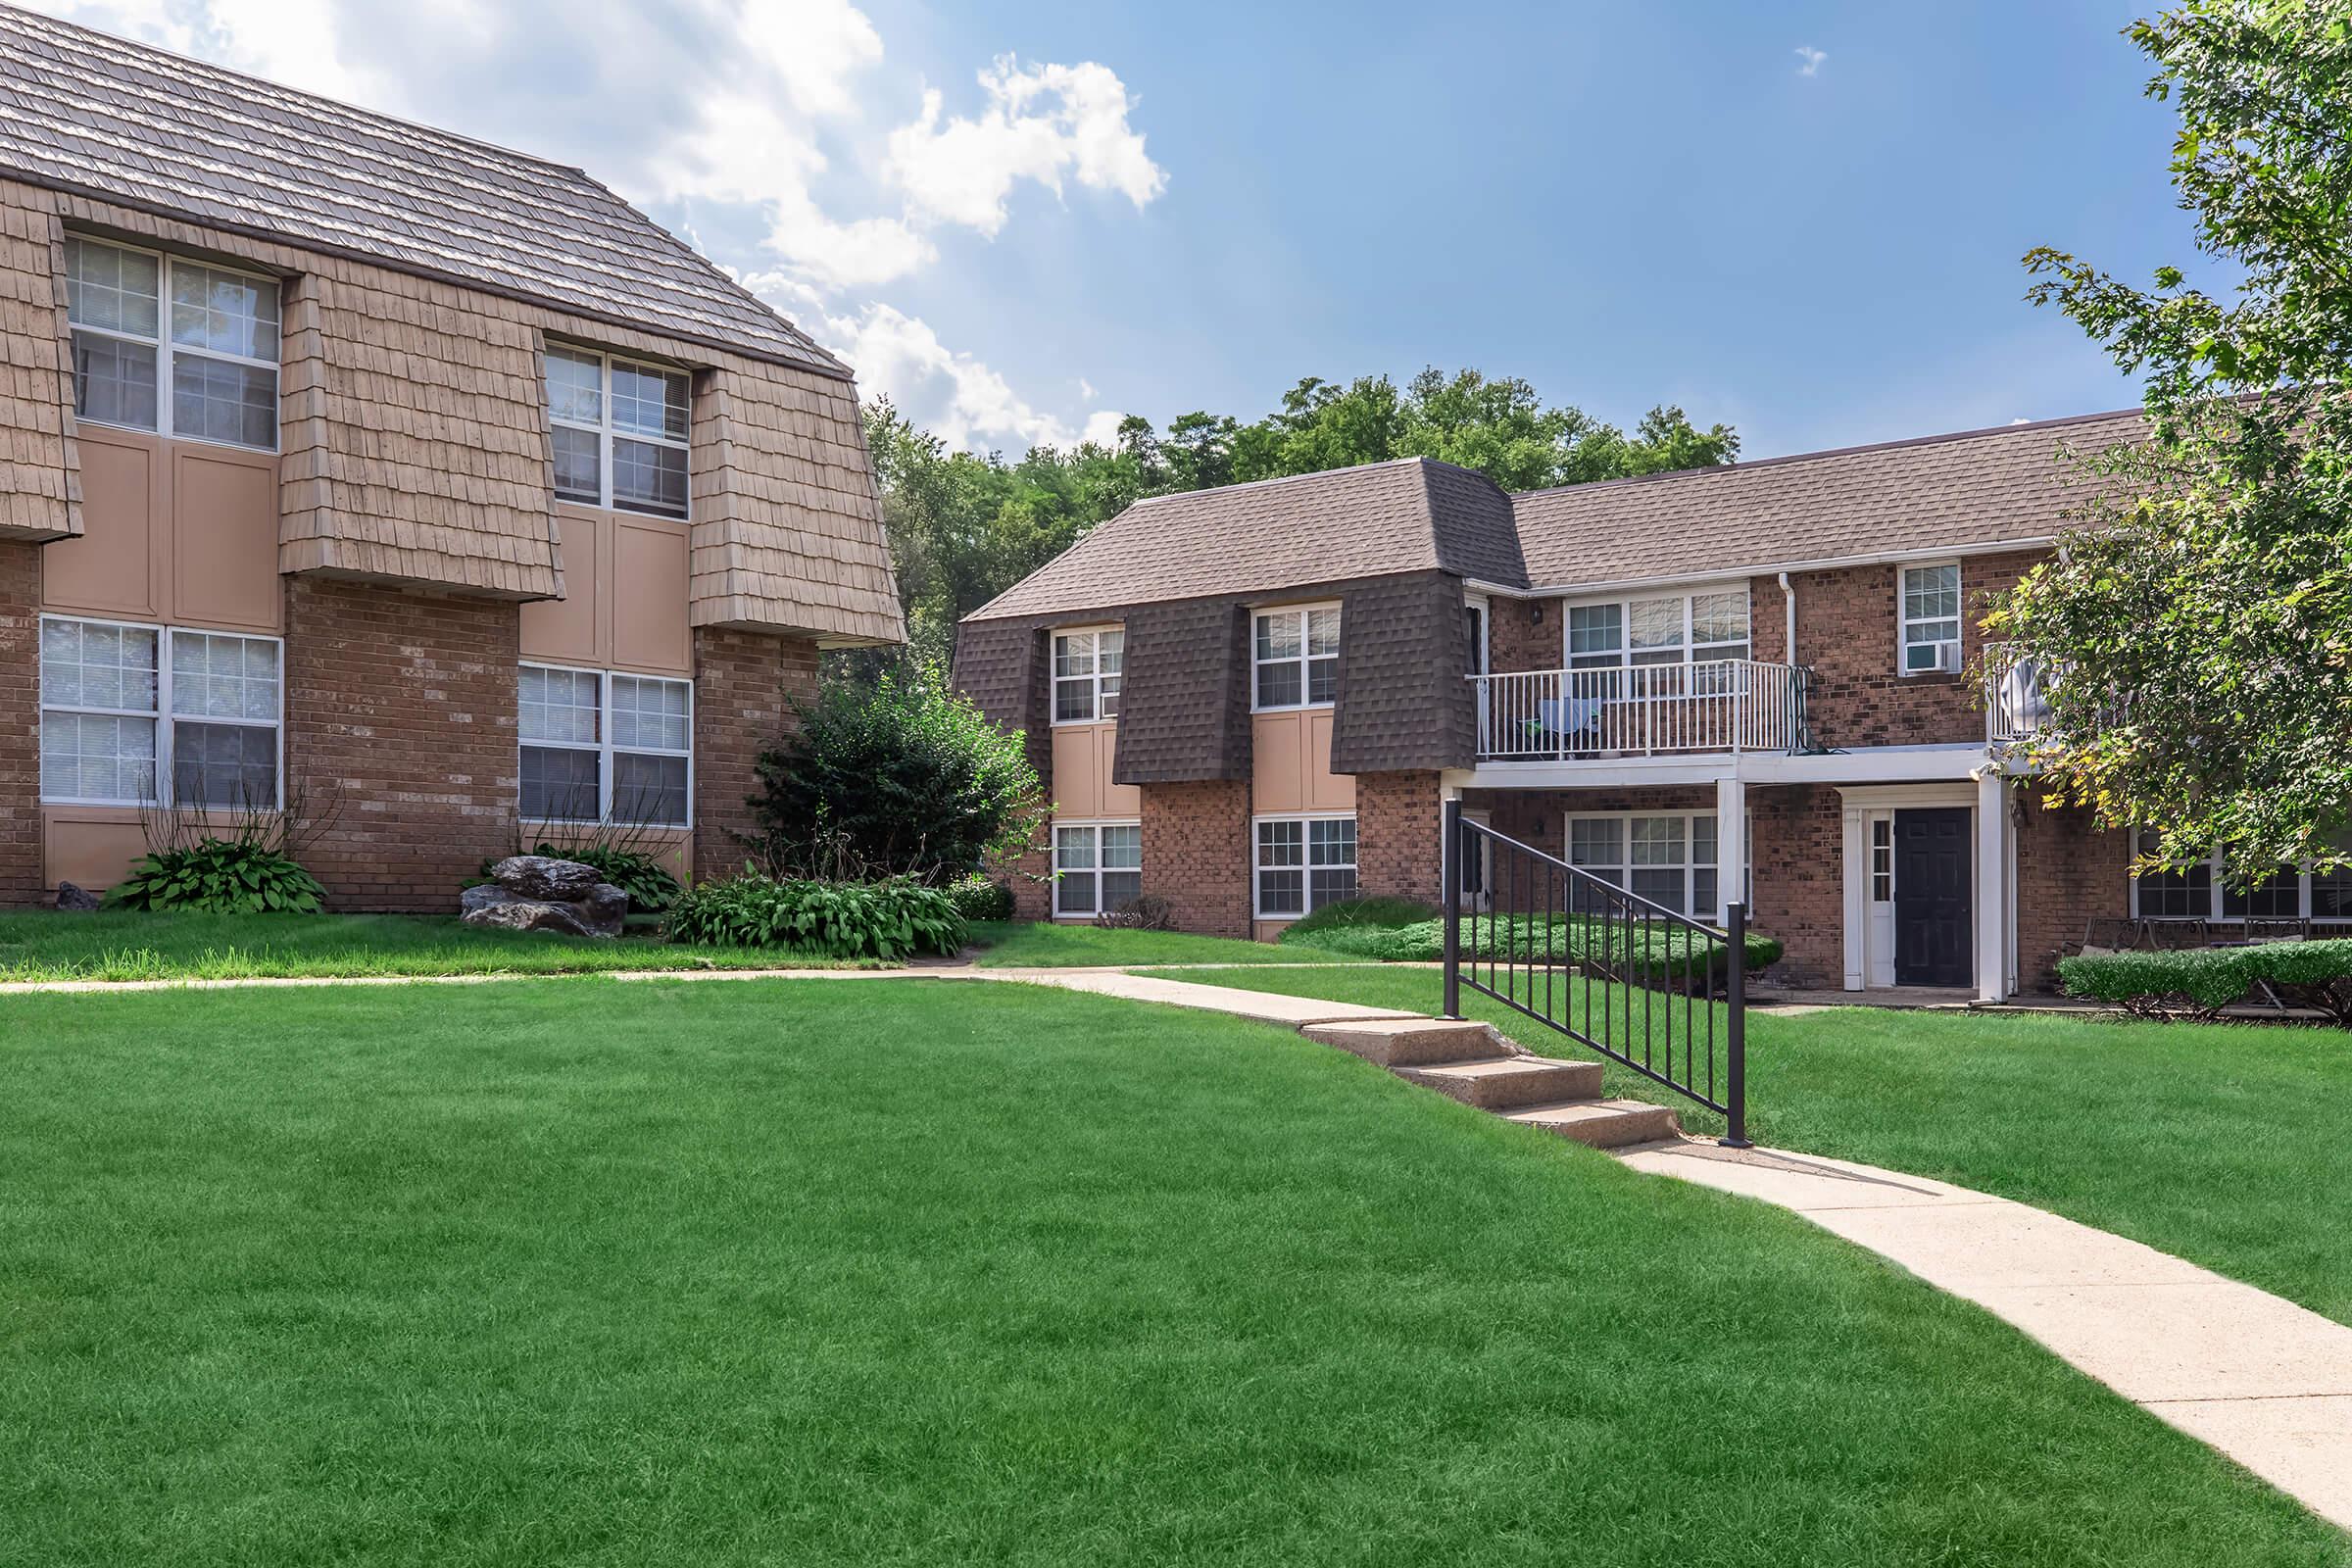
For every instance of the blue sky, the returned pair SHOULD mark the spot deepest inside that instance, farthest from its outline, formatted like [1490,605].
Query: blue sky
[1149,209]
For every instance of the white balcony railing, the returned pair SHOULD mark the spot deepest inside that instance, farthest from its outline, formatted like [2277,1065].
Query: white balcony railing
[2016,696]
[1724,704]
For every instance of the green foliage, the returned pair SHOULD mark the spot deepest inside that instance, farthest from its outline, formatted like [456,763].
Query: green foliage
[892,920]
[650,885]
[901,777]
[2201,616]
[2204,980]
[1589,946]
[976,898]
[1380,911]
[218,876]
[964,528]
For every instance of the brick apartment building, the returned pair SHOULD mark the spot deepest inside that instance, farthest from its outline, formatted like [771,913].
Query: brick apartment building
[1752,680]
[345,458]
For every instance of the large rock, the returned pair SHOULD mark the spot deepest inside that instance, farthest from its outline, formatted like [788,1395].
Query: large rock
[599,914]
[543,877]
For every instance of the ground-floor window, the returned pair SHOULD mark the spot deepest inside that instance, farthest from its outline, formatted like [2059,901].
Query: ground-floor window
[1668,858]
[138,715]
[1304,863]
[1097,867]
[600,745]
[2197,889]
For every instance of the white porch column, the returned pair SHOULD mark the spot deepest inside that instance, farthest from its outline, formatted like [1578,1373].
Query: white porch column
[1731,847]
[1990,902]
[1855,881]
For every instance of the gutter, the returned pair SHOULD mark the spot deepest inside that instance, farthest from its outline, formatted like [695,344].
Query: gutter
[1732,573]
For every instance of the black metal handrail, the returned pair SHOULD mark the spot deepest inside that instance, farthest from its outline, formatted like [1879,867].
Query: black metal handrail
[1650,989]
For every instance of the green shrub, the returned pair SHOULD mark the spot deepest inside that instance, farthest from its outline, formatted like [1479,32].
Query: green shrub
[646,880]
[218,876]
[892,920]
[1594,946]
[2201,981]
[903,777]
[976,898]
[1379,912]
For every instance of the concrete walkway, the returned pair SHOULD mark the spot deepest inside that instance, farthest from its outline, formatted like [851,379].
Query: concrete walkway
[2262,1380]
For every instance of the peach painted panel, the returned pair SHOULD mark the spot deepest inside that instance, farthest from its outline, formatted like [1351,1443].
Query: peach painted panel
[110,570]
[90,846]
[1326,790]
[1083,755]
[563,630]
[1269,930]
[649,597]
[223,534]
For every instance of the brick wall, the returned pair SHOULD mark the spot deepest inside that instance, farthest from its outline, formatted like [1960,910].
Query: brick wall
[2067,870]
[1396,835]
[1799,852]
[20,720]
[1847,623]
[1197,853]
[400,718]
[743,686]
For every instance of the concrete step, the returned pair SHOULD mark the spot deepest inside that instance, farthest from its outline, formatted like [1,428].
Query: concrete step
[1410,1041]
[1601,1123]
[1504,1083]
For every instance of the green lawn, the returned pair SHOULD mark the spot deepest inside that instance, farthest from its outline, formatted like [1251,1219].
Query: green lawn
[1012,944]
[124,945]
[668,1274]
[2220,1142]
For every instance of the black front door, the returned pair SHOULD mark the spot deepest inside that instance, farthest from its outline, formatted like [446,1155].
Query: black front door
[1931,898]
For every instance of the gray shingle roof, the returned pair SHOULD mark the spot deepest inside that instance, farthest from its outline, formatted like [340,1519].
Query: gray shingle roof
[1971,490]
[1948,492]
[1412,515]
[93,113]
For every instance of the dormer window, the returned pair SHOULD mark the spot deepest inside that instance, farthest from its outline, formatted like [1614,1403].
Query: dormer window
[1296,657]
[620,430]
[184,349]
[1088,667]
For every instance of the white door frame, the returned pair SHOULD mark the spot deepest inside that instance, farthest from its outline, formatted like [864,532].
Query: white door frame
[1992,918]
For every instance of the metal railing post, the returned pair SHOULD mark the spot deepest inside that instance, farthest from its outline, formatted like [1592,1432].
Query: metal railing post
[1449,872]
[1734,995]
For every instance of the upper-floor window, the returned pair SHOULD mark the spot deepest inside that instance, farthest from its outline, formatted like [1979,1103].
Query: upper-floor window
[1087,669]
[605,747]
[619,431]
[136,714]
[181,348]
[1662,629]
[1295,657]
[1930,618]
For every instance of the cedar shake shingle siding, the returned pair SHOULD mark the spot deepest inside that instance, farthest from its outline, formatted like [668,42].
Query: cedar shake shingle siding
[1407,705]
[1184,698]
[40,488]
[1002,667]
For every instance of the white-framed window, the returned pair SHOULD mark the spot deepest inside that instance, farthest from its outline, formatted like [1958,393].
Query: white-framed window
[619,429]
[2197,889]
[133,714]
[1088,664]
[1670,859]
[1882,859]
[1303,863]
[1294,657]
[185,349]
[1686,629]
[1097,867]
[1930,618]
[602,746]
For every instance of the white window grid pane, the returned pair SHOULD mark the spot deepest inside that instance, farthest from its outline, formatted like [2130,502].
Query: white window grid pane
[1656,623]
[1278,636]
[1123,848]
[1322,633]
[223,313]
[1074,654]
[1330,885]
[576,387]
[1281,844]
[558,707]
[1121,888]
[1595,629]
[647,477]
[650,714]
[1596,843]
[1719,617]
[91,665]
[113,289]
[113,382]
[1702,839]
[222,676]
[96,757]
[1112,653]
[649,401]
[1656,840]
[1074,849]
[649,787]
[1074,700]
[1331,841]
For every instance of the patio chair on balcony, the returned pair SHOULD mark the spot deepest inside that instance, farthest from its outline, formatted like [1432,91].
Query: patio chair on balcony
[1567,724]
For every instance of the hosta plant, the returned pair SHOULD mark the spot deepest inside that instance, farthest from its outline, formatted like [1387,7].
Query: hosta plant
[218,876]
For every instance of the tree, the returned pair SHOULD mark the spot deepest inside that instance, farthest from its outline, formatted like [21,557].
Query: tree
[2201,610]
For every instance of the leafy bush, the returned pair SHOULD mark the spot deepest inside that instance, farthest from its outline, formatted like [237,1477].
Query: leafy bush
[646,880]
[976,898]
[2201,981]
[1148,912]
[903,777]
[1596,947]
[892,920]
[1382,913]
[218,876]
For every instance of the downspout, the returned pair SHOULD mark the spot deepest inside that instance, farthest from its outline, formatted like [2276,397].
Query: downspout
[1788,642]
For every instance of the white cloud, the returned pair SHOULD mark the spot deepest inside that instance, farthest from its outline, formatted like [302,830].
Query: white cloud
[1812,59]
[1040,123]
[1086,389]
[901,356]
[1102,427]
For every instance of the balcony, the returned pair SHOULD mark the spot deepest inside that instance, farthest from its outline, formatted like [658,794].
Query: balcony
[1720,706]
[2016,696]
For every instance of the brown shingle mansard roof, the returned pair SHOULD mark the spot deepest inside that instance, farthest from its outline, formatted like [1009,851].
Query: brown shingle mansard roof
[1973,490]
[1412,515]
[84,111]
